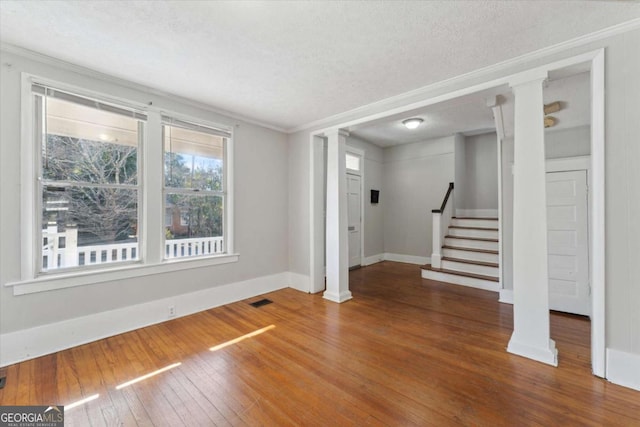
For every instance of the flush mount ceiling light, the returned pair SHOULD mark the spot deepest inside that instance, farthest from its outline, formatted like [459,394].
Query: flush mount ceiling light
[412,123]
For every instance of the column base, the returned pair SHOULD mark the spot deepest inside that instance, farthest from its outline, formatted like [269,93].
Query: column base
[548,355]
[436,261]
[339,298]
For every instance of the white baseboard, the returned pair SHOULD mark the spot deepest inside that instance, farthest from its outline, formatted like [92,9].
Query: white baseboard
[34,342]
[373,259]
[623,368]
[477,213]
[454,279]
[299,282]
[339,298]
[409,259]
[548,355]
[506,296]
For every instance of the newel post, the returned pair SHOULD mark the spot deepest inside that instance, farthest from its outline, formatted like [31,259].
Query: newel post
[436,254]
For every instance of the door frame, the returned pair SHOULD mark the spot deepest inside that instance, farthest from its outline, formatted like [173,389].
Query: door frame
[359,153]
[572,164]
[464,85]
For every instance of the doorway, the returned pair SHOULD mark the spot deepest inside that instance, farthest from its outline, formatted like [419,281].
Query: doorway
[354,208]
[354,167]
[568,252]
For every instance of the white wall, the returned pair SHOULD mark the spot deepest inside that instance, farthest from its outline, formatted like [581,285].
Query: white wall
[299,164]
[416,179]
[507,212]
[373,213]
[261,209]
[460,172]
[572,142]
[622,126]
[622,187]
[481,189]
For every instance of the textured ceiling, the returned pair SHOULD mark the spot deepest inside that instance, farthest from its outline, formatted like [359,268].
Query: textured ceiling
[467,114]
[470,115]
[290,63]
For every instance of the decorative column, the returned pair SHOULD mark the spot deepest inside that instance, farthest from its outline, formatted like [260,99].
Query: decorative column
[337,258]
[531,334]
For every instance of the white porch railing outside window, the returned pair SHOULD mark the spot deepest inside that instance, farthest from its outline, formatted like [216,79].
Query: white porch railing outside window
[60,249]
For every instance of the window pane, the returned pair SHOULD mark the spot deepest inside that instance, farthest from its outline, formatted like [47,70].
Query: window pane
[353,162]
[193,159]
[97,225]
[88,145]
[196,225]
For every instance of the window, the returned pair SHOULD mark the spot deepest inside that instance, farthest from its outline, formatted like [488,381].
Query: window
[93,213]
[353,162]
[194,188]
[88,180]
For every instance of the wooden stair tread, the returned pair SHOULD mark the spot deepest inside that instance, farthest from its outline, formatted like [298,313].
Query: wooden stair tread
[460,248]
[471,238]
[473,217]
[473,228]
[460,273]
[470,261]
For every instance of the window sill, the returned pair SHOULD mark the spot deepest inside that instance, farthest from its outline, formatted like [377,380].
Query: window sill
[68,280]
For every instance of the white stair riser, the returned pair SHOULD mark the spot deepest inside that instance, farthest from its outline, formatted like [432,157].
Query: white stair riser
[470,268]
[463,232]
[475,244]
[484,223]
[461,280]
[470,255]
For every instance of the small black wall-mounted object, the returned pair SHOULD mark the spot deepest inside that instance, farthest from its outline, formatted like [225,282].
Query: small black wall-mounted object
[375,195]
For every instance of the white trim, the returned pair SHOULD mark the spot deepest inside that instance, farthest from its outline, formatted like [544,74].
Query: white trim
[597,215]
[506,296]
[569,164]
[67,66]
[94,276]
[28,187]
[499,140]
[477,213]
[548,355]
[373,259]
[623,368]
[316,214]
[299,282]
[408,259]
[34,342]
[427,97]
[339,298]
[406,100]
[360,153]
[149,243]
[455,279]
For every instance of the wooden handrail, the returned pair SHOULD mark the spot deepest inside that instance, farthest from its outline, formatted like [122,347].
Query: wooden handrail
[446,199]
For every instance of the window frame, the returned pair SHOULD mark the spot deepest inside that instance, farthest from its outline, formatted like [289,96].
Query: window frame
[39,132]
[225,192]
[150,210]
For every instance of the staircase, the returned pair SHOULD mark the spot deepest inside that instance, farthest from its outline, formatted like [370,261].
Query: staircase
[469,254]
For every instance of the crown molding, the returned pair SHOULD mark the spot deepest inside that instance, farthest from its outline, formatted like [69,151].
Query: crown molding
[426,91]
[68,66]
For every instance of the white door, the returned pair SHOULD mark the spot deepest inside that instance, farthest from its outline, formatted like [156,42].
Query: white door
[354,209]
[568,242]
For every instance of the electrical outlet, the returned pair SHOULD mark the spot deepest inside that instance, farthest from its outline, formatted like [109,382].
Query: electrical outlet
[172,311]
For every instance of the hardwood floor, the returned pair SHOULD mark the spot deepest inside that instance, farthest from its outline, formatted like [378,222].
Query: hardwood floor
[404,351]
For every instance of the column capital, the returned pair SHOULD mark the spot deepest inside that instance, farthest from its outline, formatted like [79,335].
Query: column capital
[336,131]
[528,76]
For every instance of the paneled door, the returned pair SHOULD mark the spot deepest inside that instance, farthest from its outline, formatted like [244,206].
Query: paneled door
[354,198]
[567,225]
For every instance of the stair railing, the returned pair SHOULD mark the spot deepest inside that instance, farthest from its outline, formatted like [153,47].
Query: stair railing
[441,221]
